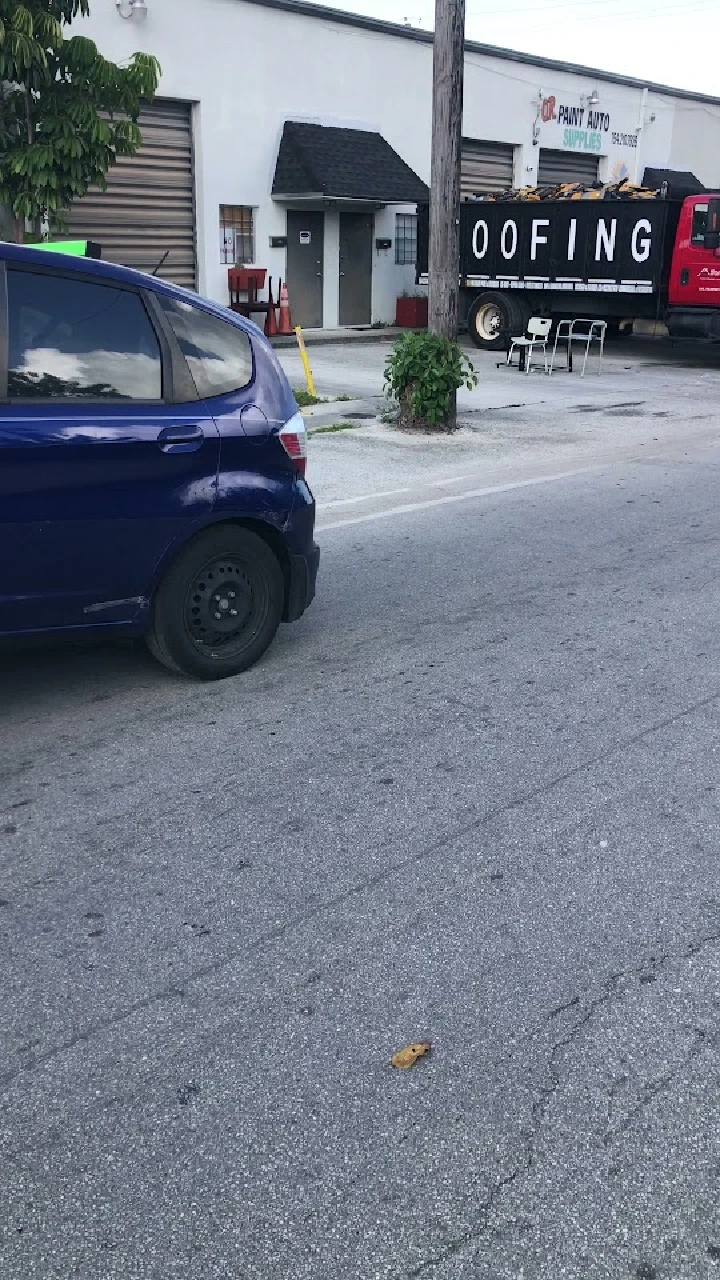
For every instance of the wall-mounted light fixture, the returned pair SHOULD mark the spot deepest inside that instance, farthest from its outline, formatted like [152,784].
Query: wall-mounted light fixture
[593,98]
[130,9]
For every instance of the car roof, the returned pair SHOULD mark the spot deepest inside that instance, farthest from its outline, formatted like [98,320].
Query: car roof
[111,271]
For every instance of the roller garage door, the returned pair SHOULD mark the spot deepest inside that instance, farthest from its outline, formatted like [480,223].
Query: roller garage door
[566,166]
[149,206]
[485,166]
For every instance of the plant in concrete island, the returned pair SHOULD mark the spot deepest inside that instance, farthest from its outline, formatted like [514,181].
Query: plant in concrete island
[66,112]
[422,374]
[304,399]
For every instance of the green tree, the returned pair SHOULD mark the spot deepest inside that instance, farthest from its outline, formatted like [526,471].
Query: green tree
[66,112]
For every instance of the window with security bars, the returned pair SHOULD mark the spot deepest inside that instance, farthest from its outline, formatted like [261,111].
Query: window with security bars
[406,239]
[237,235]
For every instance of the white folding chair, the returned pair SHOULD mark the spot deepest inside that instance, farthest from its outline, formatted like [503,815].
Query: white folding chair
[536,335]
[591,331]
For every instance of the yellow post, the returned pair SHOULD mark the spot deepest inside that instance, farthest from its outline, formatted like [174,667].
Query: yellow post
[304,358]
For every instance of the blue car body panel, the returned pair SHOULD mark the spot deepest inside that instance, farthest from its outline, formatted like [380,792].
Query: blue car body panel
[89,503]
[96,499]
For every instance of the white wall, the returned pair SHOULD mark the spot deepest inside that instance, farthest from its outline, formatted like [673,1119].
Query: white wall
[250,68]
[501,102]
[696,142]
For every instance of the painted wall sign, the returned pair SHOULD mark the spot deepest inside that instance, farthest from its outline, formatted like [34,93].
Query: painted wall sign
[573,127]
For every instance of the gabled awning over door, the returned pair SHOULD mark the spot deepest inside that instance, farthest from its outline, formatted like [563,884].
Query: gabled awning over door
[321,163]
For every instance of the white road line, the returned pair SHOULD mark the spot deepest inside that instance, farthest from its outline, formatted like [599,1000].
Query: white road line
[407,507]
[389,493]
[439,484]
[364,497]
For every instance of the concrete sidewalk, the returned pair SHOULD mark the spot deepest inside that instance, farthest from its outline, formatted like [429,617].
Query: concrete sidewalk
[385,333]
[339,337]
[332,412]
[357,373]
[647,395]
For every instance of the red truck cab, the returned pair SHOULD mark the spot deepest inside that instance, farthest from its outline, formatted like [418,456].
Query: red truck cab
[694,283]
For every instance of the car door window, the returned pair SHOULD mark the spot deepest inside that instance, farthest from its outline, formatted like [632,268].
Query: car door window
[218,354]
[77,340]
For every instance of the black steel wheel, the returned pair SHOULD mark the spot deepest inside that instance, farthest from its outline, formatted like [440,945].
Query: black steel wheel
[219,606]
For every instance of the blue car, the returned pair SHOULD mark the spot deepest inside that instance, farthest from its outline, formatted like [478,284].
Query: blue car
[152,467]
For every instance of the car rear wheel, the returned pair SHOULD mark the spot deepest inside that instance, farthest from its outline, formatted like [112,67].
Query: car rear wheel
[493,319]
[219,606]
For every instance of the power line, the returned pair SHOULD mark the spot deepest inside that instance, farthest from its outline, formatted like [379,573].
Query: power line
[592,5]
[623,15]
[527,33]
[596,9]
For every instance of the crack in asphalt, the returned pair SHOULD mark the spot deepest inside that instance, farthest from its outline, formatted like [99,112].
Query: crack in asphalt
[538,1109]
[652,1090]
[617,985]
[177,989]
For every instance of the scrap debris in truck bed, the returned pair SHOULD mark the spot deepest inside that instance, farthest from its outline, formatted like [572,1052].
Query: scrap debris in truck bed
[570,191]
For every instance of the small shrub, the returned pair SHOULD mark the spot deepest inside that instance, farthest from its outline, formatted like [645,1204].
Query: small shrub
[422,373]
[304,400]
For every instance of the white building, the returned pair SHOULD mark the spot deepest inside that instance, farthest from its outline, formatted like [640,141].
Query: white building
[228,137]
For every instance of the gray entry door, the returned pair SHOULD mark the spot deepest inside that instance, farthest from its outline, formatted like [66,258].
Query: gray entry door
[305,250]
[355,303]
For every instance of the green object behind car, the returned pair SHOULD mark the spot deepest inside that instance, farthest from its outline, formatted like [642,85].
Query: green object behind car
[76,248]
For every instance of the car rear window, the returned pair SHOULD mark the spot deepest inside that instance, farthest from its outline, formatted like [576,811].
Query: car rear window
[74,339]
[218,354]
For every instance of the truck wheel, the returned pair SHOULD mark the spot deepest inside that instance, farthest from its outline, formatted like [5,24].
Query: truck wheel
[219,605]
[493,318]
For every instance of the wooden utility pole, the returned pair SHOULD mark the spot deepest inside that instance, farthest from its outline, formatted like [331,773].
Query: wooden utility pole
[444,255]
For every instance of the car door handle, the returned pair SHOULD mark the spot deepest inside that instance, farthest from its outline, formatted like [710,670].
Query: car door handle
[181,439]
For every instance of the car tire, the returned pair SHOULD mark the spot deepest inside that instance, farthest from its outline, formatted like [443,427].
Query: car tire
[493,319]
[219,605]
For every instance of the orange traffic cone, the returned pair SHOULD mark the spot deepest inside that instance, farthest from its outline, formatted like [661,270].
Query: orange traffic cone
[285,325]
[270,319]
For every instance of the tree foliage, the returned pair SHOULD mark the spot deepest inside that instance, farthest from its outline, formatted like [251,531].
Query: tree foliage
[66,112]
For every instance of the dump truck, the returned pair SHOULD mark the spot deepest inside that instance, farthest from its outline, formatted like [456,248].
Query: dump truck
[616,254]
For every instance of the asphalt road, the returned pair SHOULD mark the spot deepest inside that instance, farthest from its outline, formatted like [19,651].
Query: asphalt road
[473,797]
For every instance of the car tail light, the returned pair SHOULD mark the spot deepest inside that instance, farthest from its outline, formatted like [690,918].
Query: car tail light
[294,440]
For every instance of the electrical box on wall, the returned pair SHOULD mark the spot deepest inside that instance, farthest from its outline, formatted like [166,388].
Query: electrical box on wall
[278,242]
[383,244]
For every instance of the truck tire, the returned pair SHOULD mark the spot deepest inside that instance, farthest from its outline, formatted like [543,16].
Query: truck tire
[494,318]
[219,605]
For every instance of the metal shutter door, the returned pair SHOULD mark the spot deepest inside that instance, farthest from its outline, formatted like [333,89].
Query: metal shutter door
[148,207]
[566,166]
[485,166]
